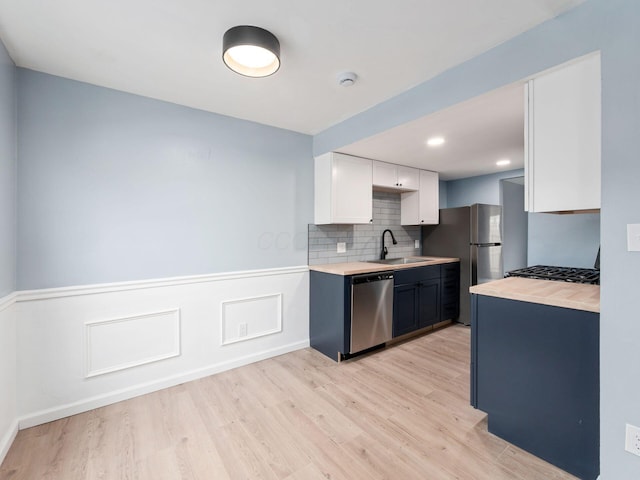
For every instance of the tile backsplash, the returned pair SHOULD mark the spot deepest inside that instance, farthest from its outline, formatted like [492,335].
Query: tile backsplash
[364,241]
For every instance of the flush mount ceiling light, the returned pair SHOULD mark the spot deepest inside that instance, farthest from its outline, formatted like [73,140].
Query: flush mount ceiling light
[504,162]
[435,141]
[251,51]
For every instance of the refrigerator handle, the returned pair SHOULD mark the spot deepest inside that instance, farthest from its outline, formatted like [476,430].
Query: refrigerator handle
[474,264]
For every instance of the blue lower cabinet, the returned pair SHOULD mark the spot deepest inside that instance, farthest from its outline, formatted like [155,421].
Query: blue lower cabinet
[535,371]
[422,296]
[416,299]
[330,313]
[450,291]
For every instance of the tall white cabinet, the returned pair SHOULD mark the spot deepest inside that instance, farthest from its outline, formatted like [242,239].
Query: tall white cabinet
[562,138]
[343,189]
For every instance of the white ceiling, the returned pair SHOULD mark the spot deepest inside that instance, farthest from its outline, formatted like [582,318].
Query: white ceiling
[171,49]
[477,133]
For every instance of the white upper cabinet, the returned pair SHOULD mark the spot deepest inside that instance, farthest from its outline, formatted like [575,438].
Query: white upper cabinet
[562,138]
[343,189]
[422,207]
[387,176]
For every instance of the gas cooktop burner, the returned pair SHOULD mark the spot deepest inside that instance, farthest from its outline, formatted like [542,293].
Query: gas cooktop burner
[563,274]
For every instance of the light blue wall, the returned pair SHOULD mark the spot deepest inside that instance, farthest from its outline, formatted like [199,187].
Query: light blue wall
[480,189]
[564,240]
[116,187]
[613,27]
[619,325]
[515,226]
[7,173]
[442,190]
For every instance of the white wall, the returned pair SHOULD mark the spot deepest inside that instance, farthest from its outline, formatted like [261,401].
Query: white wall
[76,345]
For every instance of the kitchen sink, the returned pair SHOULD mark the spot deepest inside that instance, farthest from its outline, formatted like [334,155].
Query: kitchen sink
[400,261]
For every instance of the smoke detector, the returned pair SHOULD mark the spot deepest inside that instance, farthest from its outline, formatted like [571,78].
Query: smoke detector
[347,79]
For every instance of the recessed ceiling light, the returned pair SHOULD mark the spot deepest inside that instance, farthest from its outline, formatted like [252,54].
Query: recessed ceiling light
[435,141]
[502,163]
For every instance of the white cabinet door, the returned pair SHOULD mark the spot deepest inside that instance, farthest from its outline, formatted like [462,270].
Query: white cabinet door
[408,178]
[343,192]
[391,177]
[422,207]
[562,138]
[384,174]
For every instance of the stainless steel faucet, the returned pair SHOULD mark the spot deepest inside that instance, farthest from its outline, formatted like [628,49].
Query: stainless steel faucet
[383,253]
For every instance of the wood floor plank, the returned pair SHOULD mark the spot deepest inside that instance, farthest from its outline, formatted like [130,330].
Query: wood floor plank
[401,412]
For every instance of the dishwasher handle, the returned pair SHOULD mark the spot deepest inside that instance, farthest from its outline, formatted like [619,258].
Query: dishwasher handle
[371,277]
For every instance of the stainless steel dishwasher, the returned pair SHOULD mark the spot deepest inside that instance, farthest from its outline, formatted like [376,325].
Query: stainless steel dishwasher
[371,310]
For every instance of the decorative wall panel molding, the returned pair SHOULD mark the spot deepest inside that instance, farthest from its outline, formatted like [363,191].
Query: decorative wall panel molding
[8,374]
[78,345]
[127,342]
[252,317]
[8,300]
[47,293]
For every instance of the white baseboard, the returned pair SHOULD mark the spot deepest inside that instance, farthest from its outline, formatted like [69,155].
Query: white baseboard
[7,439]
[44,416]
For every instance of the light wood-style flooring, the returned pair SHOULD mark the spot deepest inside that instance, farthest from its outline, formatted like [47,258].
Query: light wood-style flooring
[400,413]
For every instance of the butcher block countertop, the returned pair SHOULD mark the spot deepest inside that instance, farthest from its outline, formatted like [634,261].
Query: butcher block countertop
[547,292]
[355,268]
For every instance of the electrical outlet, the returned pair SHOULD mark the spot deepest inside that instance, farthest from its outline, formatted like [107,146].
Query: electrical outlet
[342,247]
[416,244]
[242,330]
[632,440]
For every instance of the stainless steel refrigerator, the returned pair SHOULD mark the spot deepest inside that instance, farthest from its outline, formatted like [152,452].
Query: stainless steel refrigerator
[474,235]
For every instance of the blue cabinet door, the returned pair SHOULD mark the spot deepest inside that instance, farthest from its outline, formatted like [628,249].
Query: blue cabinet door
[429,302]
[405,309]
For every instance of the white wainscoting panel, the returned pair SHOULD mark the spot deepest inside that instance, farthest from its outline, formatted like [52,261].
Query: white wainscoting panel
[86,347]
[8,378]
[253,317]
[120,343]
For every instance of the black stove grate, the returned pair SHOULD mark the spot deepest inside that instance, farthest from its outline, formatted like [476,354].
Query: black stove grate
[563,274]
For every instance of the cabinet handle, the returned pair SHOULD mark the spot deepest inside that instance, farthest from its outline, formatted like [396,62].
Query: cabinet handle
[371,221]
[421,221]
